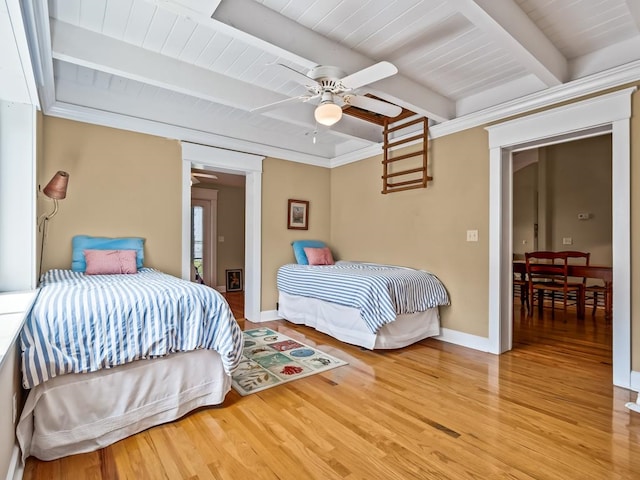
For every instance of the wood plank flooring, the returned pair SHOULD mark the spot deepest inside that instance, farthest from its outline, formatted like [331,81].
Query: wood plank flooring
[545,410]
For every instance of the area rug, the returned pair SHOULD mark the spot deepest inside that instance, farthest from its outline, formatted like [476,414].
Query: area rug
[271,358]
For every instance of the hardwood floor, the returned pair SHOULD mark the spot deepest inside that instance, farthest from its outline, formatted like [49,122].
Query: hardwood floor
[545,410]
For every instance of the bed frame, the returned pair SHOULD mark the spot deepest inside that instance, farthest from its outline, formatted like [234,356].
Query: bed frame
[83,412]
[346,325]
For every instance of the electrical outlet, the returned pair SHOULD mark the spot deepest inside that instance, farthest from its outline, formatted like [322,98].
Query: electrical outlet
[472,235]
[567,241]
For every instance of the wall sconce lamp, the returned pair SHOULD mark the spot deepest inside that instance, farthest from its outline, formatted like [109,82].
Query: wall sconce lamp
[56,189]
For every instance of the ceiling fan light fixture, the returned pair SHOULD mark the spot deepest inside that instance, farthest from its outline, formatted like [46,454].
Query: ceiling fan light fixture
[327,113]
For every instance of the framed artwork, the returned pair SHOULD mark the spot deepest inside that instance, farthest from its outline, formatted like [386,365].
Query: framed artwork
[298,215]
[234,280]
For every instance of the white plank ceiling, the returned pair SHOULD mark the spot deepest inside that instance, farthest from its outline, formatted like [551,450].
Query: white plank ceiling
[198,67]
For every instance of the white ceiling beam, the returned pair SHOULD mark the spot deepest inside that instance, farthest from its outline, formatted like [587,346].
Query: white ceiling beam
[513,30]
[99,52]
[283,33]
[198,15]
[96,51]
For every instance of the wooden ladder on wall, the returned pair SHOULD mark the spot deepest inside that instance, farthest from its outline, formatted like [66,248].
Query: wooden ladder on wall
[409,170]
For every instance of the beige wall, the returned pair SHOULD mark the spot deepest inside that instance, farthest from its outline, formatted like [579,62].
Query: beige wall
[231,227]
[424,228]
[525,187]
[282,180]
[120,184]
[579,181]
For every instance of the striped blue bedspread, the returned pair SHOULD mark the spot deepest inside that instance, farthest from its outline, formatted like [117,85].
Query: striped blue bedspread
[381,292]
[83,323]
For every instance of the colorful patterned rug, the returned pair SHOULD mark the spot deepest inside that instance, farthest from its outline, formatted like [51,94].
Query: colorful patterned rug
[271,358]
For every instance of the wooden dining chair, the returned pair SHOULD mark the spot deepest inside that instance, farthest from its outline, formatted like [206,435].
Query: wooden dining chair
[592,291]
[579,258]
[548,271]
[521,287]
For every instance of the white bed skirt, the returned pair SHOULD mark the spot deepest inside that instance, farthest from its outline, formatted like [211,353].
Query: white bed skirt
[83,412]
[345,323]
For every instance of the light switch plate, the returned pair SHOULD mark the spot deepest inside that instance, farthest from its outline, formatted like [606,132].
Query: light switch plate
[567,241]
[472,235]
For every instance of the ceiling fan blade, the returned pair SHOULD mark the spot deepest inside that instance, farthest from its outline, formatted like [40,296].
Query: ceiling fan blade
[373,105]
[295,75]
[204,175]
[369,75]
[282,103]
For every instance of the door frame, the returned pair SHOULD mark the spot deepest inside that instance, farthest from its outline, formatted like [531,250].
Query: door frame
[605,114]
[238,163]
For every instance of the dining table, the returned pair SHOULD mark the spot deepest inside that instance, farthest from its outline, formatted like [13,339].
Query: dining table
[599,272]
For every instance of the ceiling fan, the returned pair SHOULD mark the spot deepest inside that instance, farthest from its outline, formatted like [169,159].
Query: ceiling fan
[334,89]
[195,174]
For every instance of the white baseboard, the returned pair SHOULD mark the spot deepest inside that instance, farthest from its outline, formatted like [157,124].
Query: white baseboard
[447,335]
[16,468]
[464,340]
[635,386]
[268,315]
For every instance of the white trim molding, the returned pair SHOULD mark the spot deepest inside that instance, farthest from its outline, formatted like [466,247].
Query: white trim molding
[610,113]
[241,164]
[464,339]
[268,315]
[635,386]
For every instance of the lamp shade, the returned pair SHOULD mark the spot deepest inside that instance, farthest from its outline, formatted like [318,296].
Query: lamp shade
[57,186]
[328,113]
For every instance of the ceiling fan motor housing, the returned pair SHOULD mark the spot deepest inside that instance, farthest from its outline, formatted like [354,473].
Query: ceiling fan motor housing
[328,77]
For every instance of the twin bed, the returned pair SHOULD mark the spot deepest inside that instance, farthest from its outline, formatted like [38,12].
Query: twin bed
[105,356]
[366,304]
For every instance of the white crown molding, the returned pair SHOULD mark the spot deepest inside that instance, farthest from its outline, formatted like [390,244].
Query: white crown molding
[151,127]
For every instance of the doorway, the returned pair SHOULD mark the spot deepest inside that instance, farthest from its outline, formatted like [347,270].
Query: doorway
[562,202]
[204,209]
[609,113]
[250,166]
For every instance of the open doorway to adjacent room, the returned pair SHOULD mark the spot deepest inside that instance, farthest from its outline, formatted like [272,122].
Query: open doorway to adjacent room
[607,114]
[217,228]
[562,201]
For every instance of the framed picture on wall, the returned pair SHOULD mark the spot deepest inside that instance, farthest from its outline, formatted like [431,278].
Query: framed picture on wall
[234,280]
[298,215]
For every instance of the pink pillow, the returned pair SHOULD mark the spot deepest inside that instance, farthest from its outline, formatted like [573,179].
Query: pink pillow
[319,256]
[107,262]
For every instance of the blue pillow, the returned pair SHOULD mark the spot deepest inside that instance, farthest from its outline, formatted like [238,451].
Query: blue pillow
[299,246]
[80,243]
